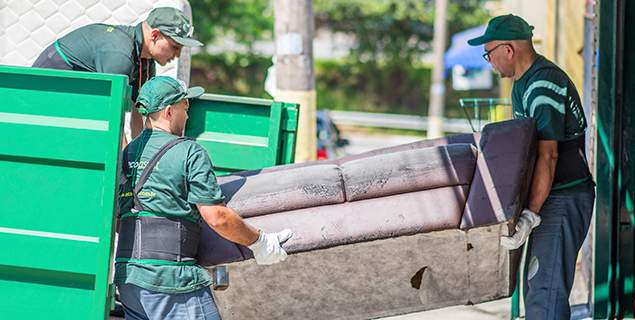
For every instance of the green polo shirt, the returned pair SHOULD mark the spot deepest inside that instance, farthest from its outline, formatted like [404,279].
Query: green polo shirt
[546,93]
[109,49]
[182,178]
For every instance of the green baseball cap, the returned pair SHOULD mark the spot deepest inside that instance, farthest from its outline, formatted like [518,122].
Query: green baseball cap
[160,92]
[507,27]
[174,24]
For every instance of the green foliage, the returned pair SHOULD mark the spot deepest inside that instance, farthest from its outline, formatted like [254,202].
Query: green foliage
[383,72]
[374,87]
[230,73]
[394,30]
[371,86]
[244,21]
[466,14]
[388,88]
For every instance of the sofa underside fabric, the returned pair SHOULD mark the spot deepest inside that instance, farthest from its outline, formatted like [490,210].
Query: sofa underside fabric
[391,231]
[373,279]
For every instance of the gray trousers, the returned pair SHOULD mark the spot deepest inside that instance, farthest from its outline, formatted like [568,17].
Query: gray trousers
[552,252]
[142,304]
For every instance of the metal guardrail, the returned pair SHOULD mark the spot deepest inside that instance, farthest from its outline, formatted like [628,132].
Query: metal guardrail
[494,108]
[397,121]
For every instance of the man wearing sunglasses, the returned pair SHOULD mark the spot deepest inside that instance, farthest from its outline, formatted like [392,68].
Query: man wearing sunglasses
[562,192]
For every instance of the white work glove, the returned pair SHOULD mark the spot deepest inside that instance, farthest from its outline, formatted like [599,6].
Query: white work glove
[267,249]
[527,222]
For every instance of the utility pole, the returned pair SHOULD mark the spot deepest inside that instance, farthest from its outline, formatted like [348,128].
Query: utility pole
[295,77]
[437,89]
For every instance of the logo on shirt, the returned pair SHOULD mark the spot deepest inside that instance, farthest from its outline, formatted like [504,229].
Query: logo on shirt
[110,29]
[140,165]
[137,164]
[141,194]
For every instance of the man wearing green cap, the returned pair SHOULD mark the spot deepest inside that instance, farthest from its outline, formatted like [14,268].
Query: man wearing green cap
[169,187]
[562,191]
[127,50]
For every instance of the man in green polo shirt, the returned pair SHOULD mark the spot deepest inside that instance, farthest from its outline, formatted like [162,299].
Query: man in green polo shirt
[562,191]
[127,50]
[169,187]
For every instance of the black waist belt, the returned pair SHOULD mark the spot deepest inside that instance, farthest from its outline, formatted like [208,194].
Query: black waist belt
[572,163]
[147,237]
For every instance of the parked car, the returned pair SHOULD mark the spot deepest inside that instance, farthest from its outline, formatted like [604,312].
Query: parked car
[329,143]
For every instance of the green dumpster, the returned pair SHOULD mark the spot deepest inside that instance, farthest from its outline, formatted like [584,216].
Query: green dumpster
[243,133]
[58,168]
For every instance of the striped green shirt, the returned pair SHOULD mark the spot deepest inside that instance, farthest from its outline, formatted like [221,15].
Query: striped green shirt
[548,95]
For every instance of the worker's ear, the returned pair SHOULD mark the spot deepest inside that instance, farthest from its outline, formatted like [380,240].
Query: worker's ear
[155,35]
[511,49]
[168,112]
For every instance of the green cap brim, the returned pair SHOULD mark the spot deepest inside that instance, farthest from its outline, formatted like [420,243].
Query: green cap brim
[479,40]
[194,92]
[187,42]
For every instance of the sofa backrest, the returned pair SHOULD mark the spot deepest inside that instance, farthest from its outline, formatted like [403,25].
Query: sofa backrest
[296,187]
[454,182]
[365,199]
[408,171]
[283,190]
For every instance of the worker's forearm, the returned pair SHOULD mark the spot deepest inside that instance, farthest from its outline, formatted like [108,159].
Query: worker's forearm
[544,171]
[232,227]
[136,123]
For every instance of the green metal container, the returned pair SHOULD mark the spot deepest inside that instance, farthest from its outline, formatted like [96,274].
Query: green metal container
[58,168]
[243,133]
[614,247]
[58,171]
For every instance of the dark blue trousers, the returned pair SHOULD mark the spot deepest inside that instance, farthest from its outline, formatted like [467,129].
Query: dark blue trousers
[552,252]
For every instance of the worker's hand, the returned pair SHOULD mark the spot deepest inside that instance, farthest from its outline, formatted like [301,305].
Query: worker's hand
[527,222]
[267,249]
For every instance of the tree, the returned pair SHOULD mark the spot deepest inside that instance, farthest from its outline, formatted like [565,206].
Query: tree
[384,72]
[245,21]
[395,31]
[391,30]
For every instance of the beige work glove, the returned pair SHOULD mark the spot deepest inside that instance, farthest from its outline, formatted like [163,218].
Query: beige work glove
[527,222]
[267,249]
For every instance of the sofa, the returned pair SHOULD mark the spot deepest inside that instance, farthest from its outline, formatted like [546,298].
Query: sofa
[391,231]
